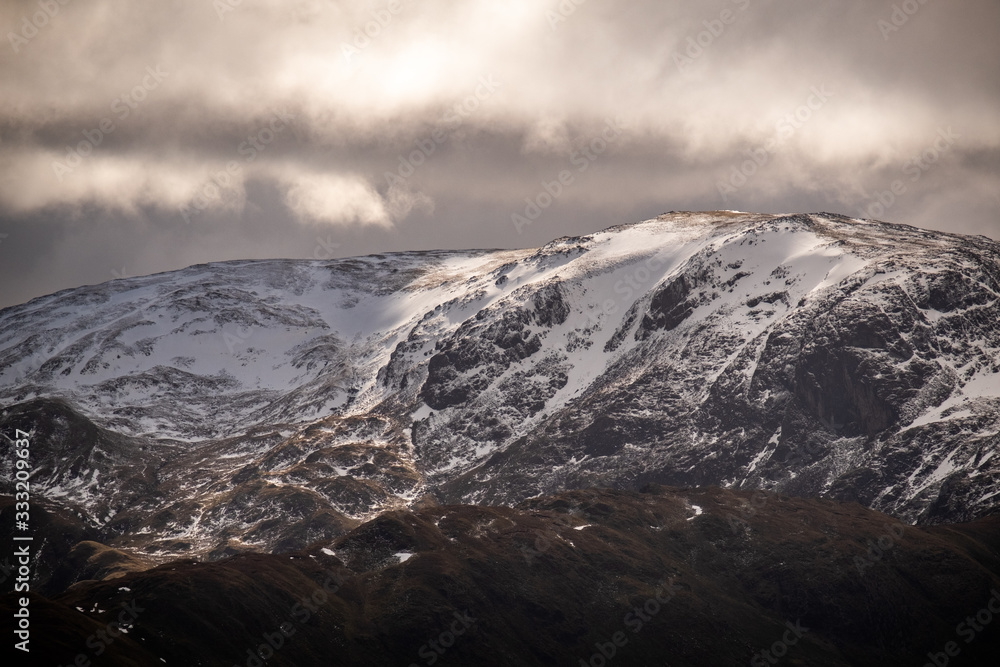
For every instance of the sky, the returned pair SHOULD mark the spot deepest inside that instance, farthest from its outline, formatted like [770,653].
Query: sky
[143,136]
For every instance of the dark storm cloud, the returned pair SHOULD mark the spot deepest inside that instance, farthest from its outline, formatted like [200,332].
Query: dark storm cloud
[144,136]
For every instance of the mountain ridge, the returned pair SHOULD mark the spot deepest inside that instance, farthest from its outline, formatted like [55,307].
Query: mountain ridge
[810,354]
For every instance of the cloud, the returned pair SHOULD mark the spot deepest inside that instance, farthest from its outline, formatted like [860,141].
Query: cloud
[40,179]
[343,200]
[505,91]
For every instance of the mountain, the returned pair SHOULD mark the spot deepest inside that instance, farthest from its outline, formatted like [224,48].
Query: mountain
[679,577]
[266,405]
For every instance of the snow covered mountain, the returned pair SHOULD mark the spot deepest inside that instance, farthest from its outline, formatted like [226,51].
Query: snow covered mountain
[266,404]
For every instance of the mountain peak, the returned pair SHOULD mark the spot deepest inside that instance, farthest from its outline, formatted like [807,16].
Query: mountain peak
[811,354]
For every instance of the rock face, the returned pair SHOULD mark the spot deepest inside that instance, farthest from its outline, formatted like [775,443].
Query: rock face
[263,405]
